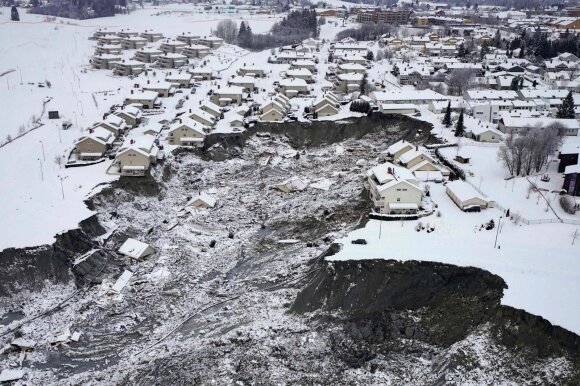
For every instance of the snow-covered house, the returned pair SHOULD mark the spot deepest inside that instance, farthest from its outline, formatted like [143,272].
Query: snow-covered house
[465,196]
[163,89]
[136,156]
[326,104]
[293,87]
[188,38]
[303,63]
[172,60]
[131,114]
[147,99]
[129,67]
[413,157]
[196,51]
[212,42]
[255,71]
[202,201]
[300,73]
[105,61]
[94,144]
[417,97]
[152,36]
[226,96]
[186,132]
[510,124]
[247,83]
[133,43]
[212,109]
[351,68]
[394,189]
[202,117]
[147,55]
[116,125]
[397,149]
[136,249]
[201,73]
[349,82]
[172,46]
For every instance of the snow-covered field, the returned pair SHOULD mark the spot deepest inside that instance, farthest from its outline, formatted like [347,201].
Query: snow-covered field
[538,262]
[38,51]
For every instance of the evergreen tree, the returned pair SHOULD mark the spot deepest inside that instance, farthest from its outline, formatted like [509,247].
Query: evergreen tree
[14,16]
[484,50]
[395,70]
[364,88]
[370,56]
[566,109]
[515,85]
[461,52]
[497,39]
[460,128]
[522,52]
[447,117]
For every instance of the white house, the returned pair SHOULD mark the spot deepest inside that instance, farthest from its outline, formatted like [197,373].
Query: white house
[394,189]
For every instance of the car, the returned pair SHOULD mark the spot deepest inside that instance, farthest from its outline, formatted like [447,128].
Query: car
[417,114]
[359,242]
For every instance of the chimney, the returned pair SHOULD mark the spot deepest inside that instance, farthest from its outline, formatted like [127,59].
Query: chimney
[148,81]
[190,109]
[91,131]
[132,141]
[180,121]
[389,170]
[131,91]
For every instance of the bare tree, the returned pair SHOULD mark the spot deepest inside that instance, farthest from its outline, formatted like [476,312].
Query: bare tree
[459,80]
[227,30]
[530,150]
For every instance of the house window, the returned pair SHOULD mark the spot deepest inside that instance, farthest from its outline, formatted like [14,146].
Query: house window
[398,199]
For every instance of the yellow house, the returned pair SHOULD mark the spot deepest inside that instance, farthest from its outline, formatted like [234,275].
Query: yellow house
[186,132]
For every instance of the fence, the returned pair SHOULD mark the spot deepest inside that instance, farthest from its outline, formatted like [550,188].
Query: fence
[500,207]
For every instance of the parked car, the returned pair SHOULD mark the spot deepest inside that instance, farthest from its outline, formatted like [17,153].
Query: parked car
[359,242]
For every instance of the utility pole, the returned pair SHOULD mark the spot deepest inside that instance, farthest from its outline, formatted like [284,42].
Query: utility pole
[43,155]
[61,187]
[497,232]
[41,172]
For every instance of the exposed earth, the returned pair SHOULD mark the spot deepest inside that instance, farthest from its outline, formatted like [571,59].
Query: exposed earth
[241,293]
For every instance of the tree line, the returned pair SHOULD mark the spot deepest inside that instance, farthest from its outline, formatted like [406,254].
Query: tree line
[292,29]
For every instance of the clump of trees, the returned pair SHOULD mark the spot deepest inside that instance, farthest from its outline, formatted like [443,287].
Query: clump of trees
[227,30]
[81,9]
[292,29]
[460,80]
[529,151]
[367,31]
[360,106]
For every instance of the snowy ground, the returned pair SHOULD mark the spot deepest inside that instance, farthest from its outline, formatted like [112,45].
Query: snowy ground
[56,52]
[538,262]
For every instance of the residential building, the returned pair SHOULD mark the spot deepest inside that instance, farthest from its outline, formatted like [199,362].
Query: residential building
[394,189]
[186,132]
